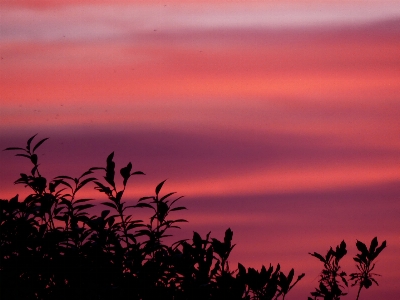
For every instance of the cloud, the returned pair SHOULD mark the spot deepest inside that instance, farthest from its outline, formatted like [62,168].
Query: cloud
[88,21]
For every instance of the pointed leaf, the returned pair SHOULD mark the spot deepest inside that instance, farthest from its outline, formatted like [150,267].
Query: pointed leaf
[28,145]
[379,249]
[82,183]
[159,186]
[179,220]
[38,144]
[110,170]
[178,208]
[65,183]
[86,173]
[104,213]
[290,276]
[109,204]
[144,205]
[64,177]
[83,207]
[145,198]
[373,245]
[166,196]
[242,269]
[138,173]
[14,148]
[24,155]
[83,200]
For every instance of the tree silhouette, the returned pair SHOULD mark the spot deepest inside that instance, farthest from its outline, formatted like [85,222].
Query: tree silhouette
[52,247]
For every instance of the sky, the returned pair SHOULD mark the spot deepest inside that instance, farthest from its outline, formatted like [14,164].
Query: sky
[278,119]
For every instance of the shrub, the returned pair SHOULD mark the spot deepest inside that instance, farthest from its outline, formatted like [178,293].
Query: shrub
[53,248]
[332,277]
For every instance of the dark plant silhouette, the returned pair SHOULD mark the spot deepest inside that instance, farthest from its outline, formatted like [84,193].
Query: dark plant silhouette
[330,288]
[365,277]
[53,248]
[329,285]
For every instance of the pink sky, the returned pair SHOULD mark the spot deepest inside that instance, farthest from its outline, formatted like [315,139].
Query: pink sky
[279,119]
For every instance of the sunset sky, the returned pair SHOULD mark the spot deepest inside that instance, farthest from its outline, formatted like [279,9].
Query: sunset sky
[278,119]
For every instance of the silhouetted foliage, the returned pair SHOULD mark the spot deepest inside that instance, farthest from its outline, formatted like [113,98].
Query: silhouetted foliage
[52,248]
[330,288]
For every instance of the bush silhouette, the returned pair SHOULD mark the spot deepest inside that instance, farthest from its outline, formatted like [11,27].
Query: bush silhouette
[329,285]
[53,248]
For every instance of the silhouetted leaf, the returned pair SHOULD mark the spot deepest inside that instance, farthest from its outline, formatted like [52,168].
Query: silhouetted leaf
[166,196]
[83,207]
[86,173]
[344,280]
[38,144]
[84,182]
[379,249]
[14,148]
[104,213]
[242,269]
[159,186]
[65,183]
[290,276]
[145,198]
[64,177]
[376,282]
[135,225]
[175,200]
[319,256]
[97,168]
[63,218]
[14,200]
[228,237]
[373,245]
[144,205]
[34,159]
[23,155]
[138,173]
[178,208]
[126,173]
[83,200]
[28,145]
[102,188]
[362,248]
[197,241]
[109,204]
[179,220]
[162,210]
[110,170]
[57,210]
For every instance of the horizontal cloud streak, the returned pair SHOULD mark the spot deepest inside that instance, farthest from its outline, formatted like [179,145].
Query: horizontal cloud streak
[88,21]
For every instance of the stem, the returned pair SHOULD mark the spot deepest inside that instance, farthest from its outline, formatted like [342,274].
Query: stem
[52,226]
[359,290]
[121,215]
[124,227]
